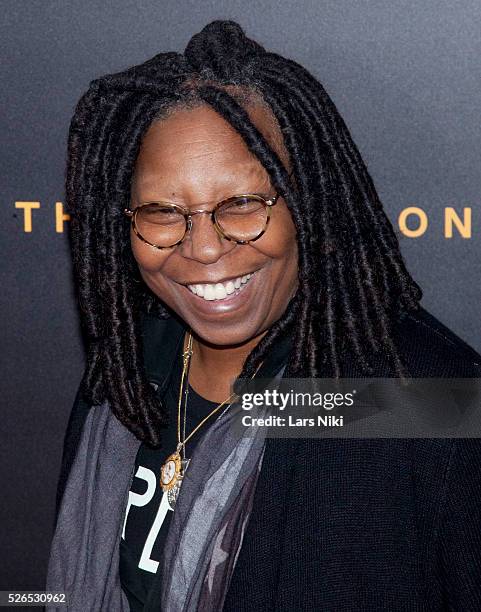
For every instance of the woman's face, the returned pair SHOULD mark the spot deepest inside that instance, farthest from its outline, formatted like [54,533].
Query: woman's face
[195,158]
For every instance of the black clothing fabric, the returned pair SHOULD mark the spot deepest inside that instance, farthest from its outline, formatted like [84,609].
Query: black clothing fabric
[347,524]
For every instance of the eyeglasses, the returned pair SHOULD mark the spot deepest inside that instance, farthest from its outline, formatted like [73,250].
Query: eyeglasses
[240,218]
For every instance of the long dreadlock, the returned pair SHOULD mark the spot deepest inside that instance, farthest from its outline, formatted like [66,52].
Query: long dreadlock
[352,279]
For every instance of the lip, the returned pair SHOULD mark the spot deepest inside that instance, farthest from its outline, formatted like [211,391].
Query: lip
[227,305]
[221,280]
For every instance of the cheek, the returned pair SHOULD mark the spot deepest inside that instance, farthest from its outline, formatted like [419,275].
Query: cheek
[149,259]
[152,264]
[279,242]
[279,246]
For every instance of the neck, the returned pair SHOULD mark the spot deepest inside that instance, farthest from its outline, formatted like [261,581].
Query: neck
[214,368]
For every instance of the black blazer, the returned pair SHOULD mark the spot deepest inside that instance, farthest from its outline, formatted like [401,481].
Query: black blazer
[346,524]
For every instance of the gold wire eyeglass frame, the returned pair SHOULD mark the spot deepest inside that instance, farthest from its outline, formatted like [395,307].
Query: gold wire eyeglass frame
[188,214]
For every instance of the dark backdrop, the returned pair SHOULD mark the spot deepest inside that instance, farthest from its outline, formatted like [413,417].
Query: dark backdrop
[406,77]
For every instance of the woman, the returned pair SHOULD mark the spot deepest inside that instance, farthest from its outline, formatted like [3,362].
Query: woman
[225,226]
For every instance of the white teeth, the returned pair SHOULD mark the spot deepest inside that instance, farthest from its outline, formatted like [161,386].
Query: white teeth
[219,291]
[209,292]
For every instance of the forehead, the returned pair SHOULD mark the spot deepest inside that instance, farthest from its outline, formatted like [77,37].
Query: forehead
[190,133]
[198,141]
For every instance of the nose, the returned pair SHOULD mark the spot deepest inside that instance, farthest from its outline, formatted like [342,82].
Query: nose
[203,243]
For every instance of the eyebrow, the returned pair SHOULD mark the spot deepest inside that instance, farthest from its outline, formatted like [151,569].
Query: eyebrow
[236,194]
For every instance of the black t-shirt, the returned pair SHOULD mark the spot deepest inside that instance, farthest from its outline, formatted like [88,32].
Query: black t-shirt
[148,512]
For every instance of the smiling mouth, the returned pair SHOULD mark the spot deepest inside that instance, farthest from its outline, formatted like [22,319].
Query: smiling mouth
[221,291]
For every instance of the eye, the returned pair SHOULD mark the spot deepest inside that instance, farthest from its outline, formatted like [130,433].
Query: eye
[241,206]
[158,214]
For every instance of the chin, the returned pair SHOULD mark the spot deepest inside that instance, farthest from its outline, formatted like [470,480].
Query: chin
[223,334]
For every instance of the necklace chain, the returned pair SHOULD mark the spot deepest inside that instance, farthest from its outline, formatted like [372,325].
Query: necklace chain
[173,469]
[187,354]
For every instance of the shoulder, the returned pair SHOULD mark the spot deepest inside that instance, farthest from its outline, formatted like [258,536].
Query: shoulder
[76,420]
[430,348]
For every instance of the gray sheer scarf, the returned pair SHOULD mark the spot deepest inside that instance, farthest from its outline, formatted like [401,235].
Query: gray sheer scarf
[205,535]
[84,554]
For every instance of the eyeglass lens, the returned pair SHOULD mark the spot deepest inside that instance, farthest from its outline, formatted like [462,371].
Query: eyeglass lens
[241,219]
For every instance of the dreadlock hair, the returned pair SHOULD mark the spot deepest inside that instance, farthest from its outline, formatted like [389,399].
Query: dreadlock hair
[352,279]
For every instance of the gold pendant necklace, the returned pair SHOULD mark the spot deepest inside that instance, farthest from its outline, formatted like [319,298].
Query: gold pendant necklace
[171,475]
[174,467]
